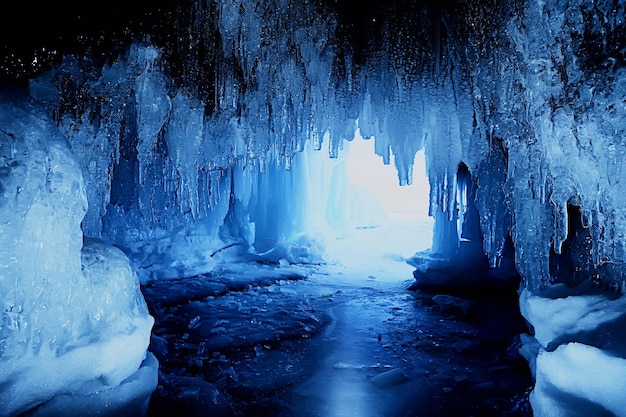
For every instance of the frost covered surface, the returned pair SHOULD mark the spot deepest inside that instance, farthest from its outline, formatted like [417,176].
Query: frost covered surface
[576,338]
[331,343]
[74,324]
[577,317]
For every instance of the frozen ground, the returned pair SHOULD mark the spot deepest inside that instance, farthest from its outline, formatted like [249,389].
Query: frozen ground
[345,339]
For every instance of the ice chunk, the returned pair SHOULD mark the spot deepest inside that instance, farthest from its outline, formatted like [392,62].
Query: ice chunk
[390,378]
[72,327]
[129,399]
[449,303]
[301,249]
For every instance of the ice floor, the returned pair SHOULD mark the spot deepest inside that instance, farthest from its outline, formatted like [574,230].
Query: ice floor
[333,340]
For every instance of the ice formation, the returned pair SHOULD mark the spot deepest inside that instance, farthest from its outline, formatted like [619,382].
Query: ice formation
[200,149]
[75,327]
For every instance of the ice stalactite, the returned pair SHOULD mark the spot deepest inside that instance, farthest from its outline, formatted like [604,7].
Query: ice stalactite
[557,178]
[559,140]
[190,147]
[263,78]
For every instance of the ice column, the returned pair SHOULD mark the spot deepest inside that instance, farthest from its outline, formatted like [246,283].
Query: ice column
[75,328]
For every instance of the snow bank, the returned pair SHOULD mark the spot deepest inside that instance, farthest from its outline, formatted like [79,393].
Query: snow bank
[577,380]
[576,354]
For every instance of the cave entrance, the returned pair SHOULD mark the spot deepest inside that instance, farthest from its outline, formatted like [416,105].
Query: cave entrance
[388,223]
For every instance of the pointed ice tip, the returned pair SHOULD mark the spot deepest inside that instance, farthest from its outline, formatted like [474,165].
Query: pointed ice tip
[494,262]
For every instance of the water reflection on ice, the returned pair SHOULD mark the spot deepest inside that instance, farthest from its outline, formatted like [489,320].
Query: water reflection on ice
[335,340]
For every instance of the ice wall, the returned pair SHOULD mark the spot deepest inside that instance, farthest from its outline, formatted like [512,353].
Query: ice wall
[75,328]
[173,139]
[550,91]
[527,98]
[562,126]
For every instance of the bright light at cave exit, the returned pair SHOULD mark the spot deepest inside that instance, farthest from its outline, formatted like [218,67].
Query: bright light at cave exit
[381,242]
[367,169]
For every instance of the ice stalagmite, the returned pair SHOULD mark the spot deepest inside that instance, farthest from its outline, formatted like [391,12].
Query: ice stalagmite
[75,327]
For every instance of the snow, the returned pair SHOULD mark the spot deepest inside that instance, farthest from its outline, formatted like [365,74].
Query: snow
[575,339]
[559,391]
[557,319]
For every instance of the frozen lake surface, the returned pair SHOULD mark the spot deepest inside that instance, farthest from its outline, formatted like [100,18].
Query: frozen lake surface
[346,339]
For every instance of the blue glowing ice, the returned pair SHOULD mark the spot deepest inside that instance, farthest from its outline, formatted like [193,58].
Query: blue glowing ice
[519,121]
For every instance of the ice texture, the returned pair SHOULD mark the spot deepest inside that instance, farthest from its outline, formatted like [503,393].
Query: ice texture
[190,152]
[576,352]
[180,190]
[74,323]
[536,117]
[575,317]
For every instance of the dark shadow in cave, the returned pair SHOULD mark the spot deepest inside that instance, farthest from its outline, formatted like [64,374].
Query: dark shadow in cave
[574,266]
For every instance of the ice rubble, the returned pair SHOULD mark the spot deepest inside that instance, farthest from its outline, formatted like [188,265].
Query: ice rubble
[525,98]
[75,327]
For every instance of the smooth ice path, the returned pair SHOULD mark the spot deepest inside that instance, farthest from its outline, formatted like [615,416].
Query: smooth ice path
[344,339]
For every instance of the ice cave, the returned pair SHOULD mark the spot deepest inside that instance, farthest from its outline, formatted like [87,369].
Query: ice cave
[313,208]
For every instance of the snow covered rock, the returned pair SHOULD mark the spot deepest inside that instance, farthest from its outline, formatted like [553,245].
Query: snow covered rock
[577,354]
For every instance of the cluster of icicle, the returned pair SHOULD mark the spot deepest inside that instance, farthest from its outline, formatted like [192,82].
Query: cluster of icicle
[510,95]
[552,98]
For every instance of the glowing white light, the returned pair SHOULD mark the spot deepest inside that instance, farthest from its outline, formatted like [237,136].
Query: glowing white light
[355,206]
[367,169]
[391,221]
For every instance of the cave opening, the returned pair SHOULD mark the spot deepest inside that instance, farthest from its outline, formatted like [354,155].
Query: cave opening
[385,223]
[349,335]
[185,229]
